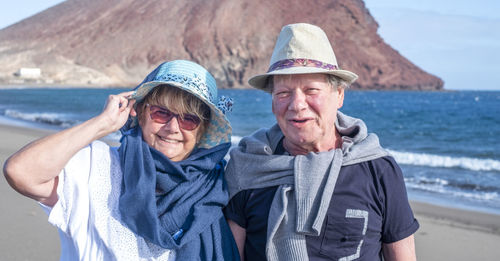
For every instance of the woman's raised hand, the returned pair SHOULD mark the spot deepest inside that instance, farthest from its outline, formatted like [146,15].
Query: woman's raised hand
[33,170]
[116,111]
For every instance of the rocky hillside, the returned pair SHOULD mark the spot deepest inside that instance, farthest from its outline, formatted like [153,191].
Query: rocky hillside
[117,42]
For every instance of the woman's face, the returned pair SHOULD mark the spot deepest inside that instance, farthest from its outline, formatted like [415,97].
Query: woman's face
[168,138]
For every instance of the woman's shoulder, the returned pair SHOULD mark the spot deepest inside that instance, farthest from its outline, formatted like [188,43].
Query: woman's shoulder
[96,152]
[105,159]
[102,149]
[99,146]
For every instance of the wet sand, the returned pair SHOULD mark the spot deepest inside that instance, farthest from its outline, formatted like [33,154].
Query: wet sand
[444,234]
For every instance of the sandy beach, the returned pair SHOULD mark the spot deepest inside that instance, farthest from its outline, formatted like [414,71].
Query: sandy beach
[444,234]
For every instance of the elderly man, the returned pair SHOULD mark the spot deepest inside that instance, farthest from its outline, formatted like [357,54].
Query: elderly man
[316,186]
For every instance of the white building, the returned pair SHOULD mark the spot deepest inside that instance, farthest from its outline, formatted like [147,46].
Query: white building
[29,73]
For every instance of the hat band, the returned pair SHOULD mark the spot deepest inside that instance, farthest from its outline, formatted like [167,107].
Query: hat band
[288,63]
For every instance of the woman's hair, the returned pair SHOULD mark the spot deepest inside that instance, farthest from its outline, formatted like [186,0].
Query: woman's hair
[178,101]
[334,81]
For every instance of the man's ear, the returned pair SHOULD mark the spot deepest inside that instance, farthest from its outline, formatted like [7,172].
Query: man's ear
[340,97]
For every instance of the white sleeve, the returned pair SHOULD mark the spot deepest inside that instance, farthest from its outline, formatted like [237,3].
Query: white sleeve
[72,206]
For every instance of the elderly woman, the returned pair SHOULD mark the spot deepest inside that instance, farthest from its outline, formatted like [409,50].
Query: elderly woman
[159,195]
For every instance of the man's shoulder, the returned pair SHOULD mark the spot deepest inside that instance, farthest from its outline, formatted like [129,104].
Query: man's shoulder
[379,166]
[268,135]
[383,161]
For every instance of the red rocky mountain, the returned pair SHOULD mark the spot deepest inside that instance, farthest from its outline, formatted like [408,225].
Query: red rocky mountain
[117,42]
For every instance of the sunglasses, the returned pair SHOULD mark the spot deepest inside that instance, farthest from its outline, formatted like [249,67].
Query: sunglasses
[163,115]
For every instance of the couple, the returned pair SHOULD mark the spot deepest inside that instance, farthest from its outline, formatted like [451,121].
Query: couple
[316,186]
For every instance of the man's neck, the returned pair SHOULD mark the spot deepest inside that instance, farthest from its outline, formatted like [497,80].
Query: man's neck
[303,149]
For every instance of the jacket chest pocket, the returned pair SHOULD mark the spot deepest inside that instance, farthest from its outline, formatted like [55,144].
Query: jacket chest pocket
[343,238]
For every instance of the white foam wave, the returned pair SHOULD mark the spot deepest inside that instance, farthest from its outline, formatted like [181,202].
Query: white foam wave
[45,117]
[427,180]
[440,186]
[422,159]
[433,185]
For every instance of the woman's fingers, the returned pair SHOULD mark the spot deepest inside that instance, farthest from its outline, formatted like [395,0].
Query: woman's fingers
[125,98]
[130,104]
[123,103]
[117,109]
[121,99]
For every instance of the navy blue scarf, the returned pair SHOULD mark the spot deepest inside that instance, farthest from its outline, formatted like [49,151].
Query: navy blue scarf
[176,205]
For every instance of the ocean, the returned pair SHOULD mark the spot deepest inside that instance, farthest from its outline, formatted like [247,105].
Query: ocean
[447,143]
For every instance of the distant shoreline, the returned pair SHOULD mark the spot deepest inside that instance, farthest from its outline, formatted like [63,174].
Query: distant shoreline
[68,86]
[60,86]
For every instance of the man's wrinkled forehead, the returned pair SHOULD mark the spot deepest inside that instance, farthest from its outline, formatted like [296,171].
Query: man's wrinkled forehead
[293,79]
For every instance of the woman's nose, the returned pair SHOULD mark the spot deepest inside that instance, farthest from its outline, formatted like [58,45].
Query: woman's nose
[172,125]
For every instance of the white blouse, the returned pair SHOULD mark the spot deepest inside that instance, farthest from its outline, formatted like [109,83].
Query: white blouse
[87,215]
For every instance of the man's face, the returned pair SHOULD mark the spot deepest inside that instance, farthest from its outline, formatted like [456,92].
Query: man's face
[305,106]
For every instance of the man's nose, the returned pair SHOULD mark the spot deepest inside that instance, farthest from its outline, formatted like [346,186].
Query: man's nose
[297,102]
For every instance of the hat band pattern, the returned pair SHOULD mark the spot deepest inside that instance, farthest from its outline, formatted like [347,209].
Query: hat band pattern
[194,83]
[288,63]
[225,104]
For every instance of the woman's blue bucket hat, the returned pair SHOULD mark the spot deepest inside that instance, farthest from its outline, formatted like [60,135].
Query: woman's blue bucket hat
[193,78]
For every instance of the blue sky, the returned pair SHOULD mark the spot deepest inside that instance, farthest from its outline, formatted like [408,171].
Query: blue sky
[457,40]
[15,11]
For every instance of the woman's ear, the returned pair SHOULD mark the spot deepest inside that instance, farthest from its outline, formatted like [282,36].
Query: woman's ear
[137,112]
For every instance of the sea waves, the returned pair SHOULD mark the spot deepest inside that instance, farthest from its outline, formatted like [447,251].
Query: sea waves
[439,161]
[454,188]
[54,119]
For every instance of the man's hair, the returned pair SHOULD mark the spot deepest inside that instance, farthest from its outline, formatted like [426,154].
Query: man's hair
[334,81]
[177,101]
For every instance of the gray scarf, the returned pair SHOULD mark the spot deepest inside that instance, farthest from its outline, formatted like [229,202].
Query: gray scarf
[306,182]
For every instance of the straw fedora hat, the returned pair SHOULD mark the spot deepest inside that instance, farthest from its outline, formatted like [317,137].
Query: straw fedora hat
[301,49]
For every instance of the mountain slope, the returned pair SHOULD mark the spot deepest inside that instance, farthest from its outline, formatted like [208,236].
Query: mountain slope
[117,42]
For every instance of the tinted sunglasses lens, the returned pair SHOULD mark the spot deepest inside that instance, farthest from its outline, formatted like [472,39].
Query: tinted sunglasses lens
[189,122]
[160,115]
